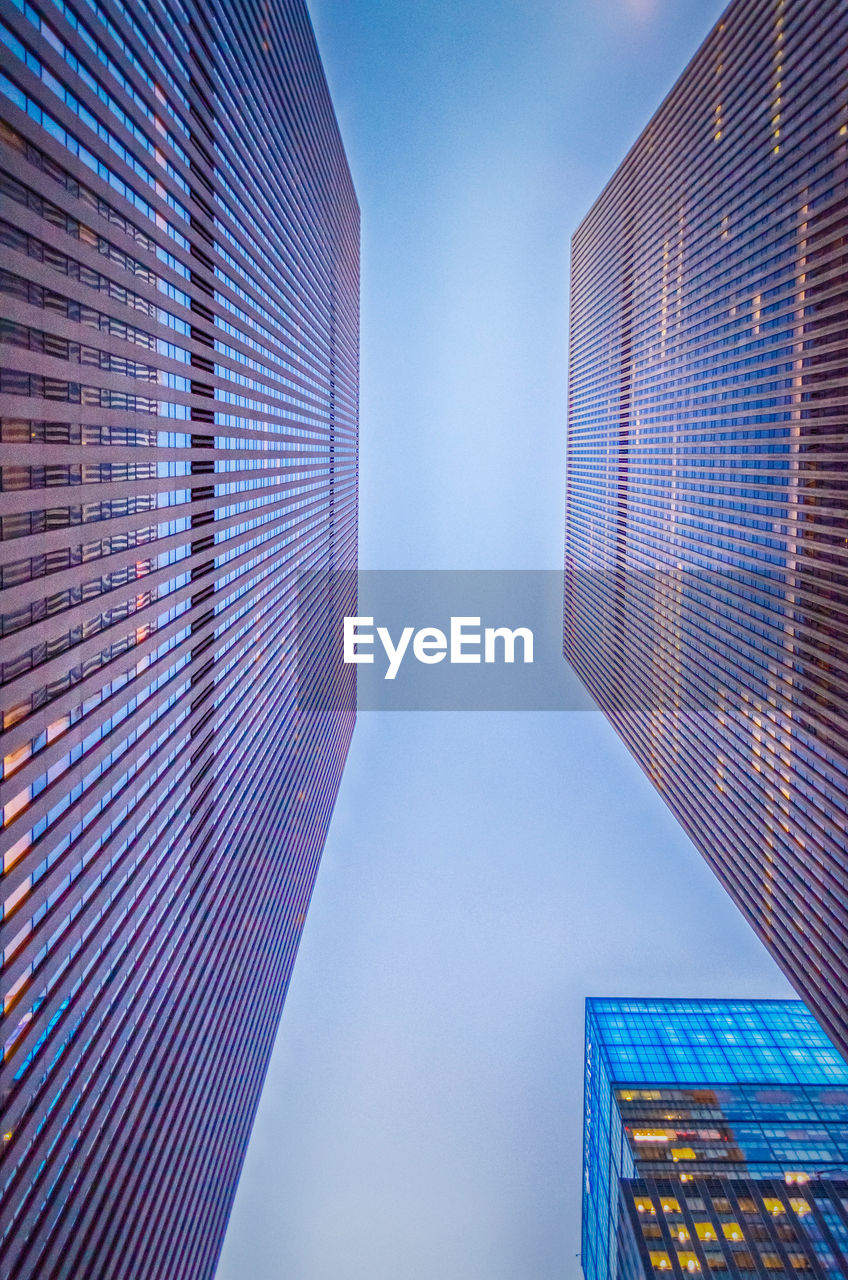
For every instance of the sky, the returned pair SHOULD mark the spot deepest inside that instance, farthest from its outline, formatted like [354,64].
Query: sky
[484,872]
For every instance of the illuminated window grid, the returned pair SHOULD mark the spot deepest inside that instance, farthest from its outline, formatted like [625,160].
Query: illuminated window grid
[732,1226]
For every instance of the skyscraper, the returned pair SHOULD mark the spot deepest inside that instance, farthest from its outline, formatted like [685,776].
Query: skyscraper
[706,581]
[178,427]
[715,1139]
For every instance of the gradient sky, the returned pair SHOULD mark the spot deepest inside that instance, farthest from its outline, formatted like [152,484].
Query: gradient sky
[484,873]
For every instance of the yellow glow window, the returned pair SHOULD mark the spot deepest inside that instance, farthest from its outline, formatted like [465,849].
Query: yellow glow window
[14,991]
[14,899]
[16,759]
[17,850]
[15,805]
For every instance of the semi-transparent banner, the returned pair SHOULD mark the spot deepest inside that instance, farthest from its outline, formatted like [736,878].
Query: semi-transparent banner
[434,640]
[660,639]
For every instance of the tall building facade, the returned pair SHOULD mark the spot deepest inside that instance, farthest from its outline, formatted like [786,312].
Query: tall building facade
[706,580]
[179,249]
[715,1140]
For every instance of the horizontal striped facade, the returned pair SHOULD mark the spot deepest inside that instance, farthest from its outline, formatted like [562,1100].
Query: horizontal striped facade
[179,271]
[706,590]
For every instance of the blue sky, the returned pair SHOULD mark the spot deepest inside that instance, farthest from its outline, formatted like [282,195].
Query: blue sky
[484,873]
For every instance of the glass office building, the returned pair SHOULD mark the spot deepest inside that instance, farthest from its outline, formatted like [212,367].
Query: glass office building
[711,1128]
[179,248]
[706,582]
